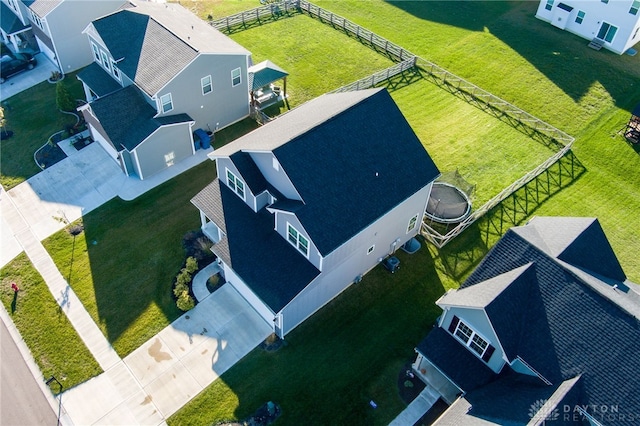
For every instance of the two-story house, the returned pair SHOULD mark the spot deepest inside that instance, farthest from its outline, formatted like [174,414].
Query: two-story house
[612,24]
[546,328]
[302,207]
[159,73]
[58,24]
[15,27]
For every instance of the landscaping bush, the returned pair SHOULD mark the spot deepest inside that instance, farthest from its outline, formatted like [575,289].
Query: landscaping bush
[185,301]
[181,289]
[191,265]
[198,246]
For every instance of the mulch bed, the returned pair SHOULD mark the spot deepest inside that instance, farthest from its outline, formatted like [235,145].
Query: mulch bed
[409,387]
[50,155]
[272,343]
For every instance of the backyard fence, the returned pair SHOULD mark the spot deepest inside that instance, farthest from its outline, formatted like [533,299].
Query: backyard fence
[407,61]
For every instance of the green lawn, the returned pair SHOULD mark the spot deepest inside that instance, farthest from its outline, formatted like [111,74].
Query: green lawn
[33,116]
[123,265]
[338,360]
[51,338]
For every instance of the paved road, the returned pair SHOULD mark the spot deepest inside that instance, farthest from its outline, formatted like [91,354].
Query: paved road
[21,401]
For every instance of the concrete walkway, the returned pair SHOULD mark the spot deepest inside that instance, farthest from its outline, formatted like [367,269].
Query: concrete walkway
[163,374]
[199,283]
[418,408]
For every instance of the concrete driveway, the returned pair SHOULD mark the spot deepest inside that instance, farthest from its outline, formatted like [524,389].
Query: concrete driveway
[24,80]
[59,195]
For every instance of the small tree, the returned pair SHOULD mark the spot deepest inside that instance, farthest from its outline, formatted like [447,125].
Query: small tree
[64,101]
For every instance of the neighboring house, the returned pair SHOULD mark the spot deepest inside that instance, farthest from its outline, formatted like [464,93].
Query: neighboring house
[160,73]
[614,24]
[304,206]
[15,27]
[58,24]
[546,328]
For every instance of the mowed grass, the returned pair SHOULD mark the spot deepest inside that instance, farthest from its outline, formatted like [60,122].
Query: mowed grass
[347,354]
[122,267]
[33,117]
[52,340]
[317,64]
[487,152]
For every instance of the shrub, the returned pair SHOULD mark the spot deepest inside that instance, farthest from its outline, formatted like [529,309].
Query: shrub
[179,289]
[184,277]
[191,265]
[64,102]
[185,301]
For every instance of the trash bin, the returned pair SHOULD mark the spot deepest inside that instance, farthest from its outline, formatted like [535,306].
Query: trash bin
[201,139]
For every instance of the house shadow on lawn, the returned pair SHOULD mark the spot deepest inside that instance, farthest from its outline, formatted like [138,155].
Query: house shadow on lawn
[464,252]
[339,359]
[559,55]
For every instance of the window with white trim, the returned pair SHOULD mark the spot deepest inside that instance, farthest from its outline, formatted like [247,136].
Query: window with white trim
[605,1]
[412,223]
[207,85]
[236,77]
[549,5]
[470,338]
[635,6]
[96,52]
[235,183]
[607,32]
[580,17]
[115,70]
[297,240]
[371,249]
[105,60]
[166,103]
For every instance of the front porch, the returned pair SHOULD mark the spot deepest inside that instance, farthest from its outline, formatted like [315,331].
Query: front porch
[433,377]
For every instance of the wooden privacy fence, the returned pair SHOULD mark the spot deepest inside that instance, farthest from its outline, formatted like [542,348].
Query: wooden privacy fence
[406,61]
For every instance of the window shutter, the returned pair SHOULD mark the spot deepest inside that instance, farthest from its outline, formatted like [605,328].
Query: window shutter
[454,324]
[487,354]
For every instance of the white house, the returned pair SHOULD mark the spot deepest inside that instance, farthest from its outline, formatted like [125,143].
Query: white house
[613,24]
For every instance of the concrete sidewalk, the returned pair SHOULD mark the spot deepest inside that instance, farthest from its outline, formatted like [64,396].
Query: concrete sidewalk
[417,408]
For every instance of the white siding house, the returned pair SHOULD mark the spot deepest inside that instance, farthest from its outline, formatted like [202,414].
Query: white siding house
[615,23]
[304,206]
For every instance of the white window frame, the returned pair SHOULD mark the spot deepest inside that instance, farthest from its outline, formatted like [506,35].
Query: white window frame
[549,5]
[236,184]
[470,342]
[635,6]
[203,85]
[163,103]
[371,249]
[413,222]
[297,240]
[238,77]
[579,17]
[615,32]
[115,71]
[96,52]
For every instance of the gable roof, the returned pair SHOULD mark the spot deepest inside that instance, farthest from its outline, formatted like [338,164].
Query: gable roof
[43,7]
[128,119]
[100,83]
[153,42]
[9,21]
[570,325]
[351,156]
[274,270]
[264,73]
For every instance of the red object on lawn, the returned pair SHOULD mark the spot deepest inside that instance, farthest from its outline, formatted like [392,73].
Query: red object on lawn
[15,287]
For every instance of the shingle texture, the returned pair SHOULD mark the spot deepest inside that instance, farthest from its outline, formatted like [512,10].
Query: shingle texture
[101,83]
[128,119]
[43,7]
[269,265]
[562,320]
[352,157]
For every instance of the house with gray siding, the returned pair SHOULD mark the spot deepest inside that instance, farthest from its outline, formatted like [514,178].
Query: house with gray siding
[304,206]
[176,73]
[58,24]
[546,329]
[15,26]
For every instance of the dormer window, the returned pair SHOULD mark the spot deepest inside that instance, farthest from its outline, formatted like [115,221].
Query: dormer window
[235,183]
[471,339]
[297,240]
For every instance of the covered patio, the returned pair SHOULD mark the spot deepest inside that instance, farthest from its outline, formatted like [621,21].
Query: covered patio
[262,79]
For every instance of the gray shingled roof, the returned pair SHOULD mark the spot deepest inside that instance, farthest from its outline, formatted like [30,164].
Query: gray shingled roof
[352,157]
[569,324]
[101,83]
[43,7]
[9,22]
[266,262]
[128,119]
[264,73]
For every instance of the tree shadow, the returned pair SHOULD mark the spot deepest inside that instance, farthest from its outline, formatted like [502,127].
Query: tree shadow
[562,57]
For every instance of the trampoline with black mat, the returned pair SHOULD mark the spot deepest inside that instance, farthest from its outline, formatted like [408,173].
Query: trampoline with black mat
[450,199]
